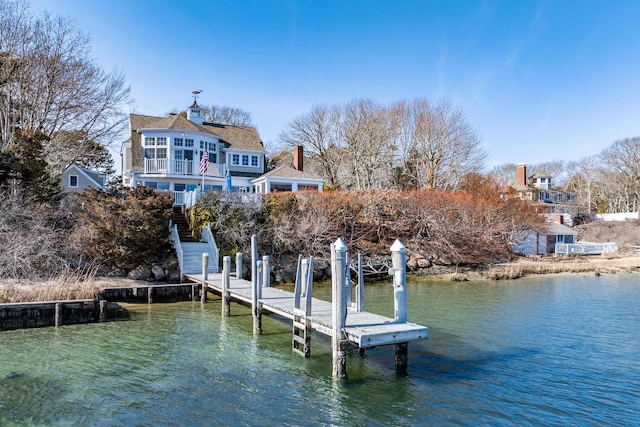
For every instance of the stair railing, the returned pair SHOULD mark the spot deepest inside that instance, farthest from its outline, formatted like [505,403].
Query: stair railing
[207,236]
[174,237]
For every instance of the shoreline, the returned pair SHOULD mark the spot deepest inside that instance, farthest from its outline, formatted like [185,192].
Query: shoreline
[16,291]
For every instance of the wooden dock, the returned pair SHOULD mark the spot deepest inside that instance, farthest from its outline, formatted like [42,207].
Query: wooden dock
[363,329]
[343,319]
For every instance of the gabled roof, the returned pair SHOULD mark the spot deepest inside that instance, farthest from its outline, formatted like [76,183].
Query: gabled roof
[555,228]
[288,171]
[94,176]
[235,137]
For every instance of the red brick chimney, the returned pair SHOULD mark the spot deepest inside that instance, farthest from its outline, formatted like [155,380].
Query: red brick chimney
[521,175]
[298,157]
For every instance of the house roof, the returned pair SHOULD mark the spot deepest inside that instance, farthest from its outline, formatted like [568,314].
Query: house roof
[540,175]
[555,228]
[94,176]
[288,171]
[236,137]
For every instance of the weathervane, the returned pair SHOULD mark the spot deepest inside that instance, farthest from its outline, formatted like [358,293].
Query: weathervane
[195,95]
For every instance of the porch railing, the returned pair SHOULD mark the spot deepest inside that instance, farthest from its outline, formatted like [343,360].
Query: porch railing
[181,167]
[235,198]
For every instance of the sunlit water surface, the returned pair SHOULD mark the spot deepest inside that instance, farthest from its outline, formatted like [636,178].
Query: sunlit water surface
[543,351]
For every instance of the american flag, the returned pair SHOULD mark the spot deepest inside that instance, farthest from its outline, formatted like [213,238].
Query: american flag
[204,163]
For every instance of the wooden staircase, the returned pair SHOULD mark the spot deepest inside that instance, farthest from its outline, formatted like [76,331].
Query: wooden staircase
[184,231]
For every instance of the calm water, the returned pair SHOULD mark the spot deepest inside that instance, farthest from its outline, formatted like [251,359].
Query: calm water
[561,351]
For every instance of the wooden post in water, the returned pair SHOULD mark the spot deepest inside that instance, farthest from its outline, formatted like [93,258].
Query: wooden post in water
[205,267]
[297,290]
[347,282]
[338,276]
[398,258]
[266,271]
[103,310]
[57,320]
[360,286]
[238,265]
[149,295]
[308,295]
[255,299]
[226,280]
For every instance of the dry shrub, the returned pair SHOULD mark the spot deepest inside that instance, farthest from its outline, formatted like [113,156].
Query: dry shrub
[33,242]
[66,285]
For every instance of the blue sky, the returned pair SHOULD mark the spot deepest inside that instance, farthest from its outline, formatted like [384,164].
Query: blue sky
[538,80]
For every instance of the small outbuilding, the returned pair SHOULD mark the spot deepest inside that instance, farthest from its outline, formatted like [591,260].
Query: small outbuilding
[542,240]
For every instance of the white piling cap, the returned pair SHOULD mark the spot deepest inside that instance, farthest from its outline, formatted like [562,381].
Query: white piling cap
[398,247]
[339,245]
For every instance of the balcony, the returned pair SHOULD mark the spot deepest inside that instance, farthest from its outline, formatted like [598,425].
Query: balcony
[180,167]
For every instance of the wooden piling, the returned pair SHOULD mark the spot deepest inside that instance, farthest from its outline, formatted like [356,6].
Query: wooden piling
[266,271]
[149,295]
[398,254]
[398,258]
[298,289]
[226,280]
[402,357]
[338,342]
[308,298]
[205,266]
[103,310]
[58,315]
[238,265]
[203,293]
[360,286]
[255,299]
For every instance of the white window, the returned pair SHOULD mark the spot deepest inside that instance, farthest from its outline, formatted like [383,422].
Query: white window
[560,238]
[161,140]
[245,160]
[235,159]
[254,161]
[73,181]
[178,142]
[188,142]
[149,141]
[212,146]
[155,153]
[203,145]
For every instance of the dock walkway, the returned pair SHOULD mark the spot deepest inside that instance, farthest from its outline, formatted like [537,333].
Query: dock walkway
[362,329]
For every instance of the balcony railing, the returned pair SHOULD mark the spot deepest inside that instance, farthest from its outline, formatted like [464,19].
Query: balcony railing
[180,167]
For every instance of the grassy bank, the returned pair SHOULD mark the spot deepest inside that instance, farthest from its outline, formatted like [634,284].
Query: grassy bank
[585,264]
[56,289]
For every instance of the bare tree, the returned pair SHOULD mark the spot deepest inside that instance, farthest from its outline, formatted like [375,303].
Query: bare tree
[442,145]
[622,171]
[504,175]
[49,83]
[227,115]
[368,142]
[585,180]
[317,131]
[554,168]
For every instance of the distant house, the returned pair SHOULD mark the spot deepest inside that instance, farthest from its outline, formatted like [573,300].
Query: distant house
[76,178]
[542,240]
[538,188]
[182,153]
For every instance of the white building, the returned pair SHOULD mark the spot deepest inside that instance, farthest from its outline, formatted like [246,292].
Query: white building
[166,153]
